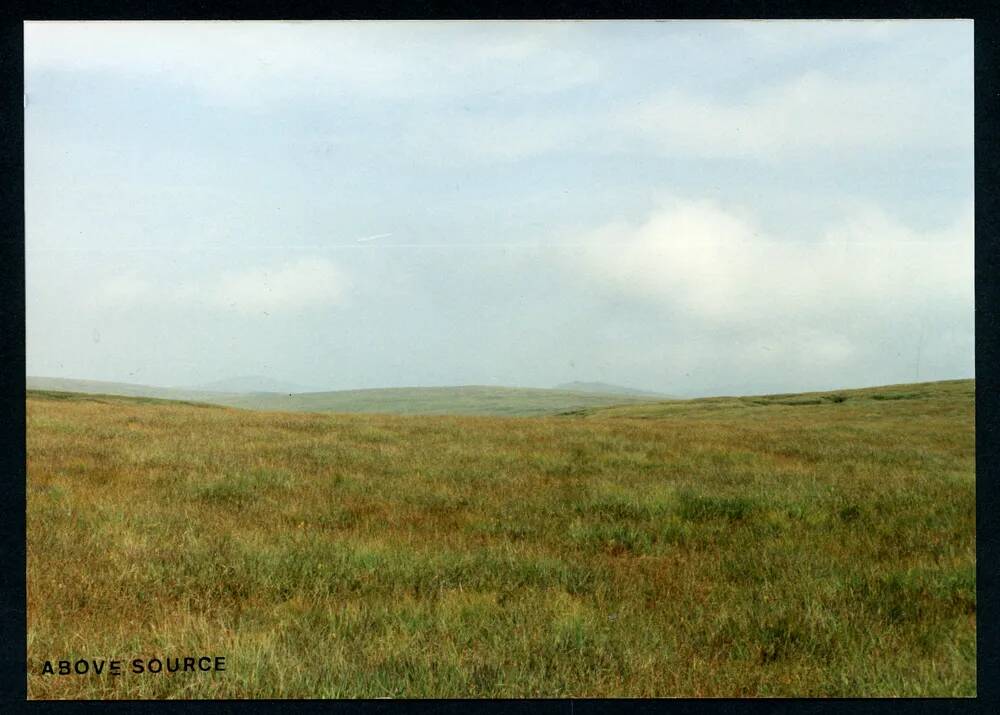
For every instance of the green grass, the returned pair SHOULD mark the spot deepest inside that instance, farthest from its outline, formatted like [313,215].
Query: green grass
[792,545]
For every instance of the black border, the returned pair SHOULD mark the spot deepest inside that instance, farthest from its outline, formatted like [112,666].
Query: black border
[13,677]
[987,223]
[13,658]
[488,9]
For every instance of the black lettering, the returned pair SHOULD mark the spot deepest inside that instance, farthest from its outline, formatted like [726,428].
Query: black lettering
[205,663]
[99,666]
[159,665]
[176,666]
[47,668]
[116,667]
[63,667]
[220,662]
[77,664]
[137,665]
[188,664]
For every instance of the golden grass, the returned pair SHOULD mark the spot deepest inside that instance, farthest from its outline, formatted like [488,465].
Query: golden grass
[789,546]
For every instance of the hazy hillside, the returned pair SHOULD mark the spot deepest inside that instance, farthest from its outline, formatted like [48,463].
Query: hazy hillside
[715,407]
[504,401]
[606,388]
[124,389]
[469,400]
[252,383]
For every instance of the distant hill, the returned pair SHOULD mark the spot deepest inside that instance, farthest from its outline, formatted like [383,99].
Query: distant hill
[509,401]
[465,400]
[603,388]
[252,383]
[123,389]
[938,393]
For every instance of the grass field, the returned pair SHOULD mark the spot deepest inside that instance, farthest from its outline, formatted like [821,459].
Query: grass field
[800,545]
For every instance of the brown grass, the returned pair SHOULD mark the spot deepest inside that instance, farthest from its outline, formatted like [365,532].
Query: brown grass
[700,548]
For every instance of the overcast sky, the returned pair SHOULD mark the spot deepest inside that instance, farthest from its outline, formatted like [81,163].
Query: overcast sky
[690,207]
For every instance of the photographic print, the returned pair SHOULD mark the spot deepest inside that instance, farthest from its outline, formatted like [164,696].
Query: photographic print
[500,359]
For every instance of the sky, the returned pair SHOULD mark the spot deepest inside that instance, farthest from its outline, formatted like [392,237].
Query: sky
[691,207]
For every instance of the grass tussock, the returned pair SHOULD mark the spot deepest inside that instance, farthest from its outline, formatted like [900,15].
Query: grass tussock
[794,545]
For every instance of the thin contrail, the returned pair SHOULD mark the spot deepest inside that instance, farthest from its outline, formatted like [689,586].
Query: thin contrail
[372,238]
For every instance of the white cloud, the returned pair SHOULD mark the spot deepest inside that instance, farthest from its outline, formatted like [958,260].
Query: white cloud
[512,65]
[812,113]
[715,266]
[122,291]
[416,128]
[255,63]
[867,300]
[294,286]
[785,37]
[494,138]
[298,285]
[812,117]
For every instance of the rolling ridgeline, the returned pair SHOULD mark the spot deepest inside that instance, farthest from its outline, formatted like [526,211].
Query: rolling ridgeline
[466,400]
[783,545]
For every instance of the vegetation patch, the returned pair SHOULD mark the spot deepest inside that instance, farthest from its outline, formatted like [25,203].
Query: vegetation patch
[694,507]
[241,488]
[898,396]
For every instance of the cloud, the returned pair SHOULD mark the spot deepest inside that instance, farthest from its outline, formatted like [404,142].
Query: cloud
[714,265]
[813,117]
[809,115]
[724,306]
[123,290]
[253,63]
[786,37]
[290,287]
[299,285]
[490,138]
[171,153]
[492,104]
